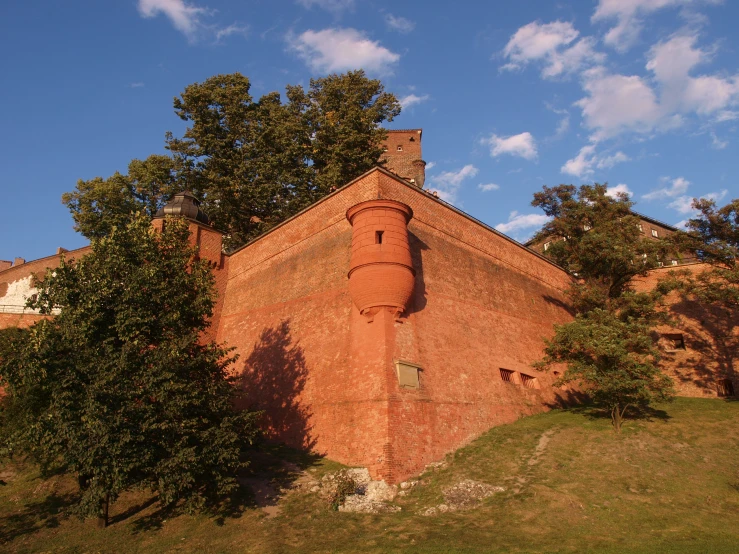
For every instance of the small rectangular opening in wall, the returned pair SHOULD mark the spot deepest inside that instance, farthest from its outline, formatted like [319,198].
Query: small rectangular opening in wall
[407,374]
[506,375]
[529,382]
[673,342]
[378,237]
[724,387]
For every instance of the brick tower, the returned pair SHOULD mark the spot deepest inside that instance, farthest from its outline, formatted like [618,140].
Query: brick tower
[402,155]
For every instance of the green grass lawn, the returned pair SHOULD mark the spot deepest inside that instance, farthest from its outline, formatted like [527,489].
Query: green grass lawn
[669,484]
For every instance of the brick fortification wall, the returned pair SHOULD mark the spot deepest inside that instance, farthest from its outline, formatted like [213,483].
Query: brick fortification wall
[16,285]
[709,352]
[325,374]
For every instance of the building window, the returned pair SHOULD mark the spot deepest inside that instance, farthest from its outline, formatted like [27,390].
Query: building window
[655,234]
[674,262]
[400,148]
[384,148]
[412,139]
[378,237]
[528,381]
[547,245]
[639,225]
[724,387]
[673,342]
[660,264]
[506,375]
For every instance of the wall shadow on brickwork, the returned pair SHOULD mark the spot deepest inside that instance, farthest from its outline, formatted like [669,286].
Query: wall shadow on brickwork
[418,302]
[715,341]
[273,378]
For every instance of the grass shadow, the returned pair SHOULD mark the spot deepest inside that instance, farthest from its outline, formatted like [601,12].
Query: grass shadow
[132,511]
[43,514]
[633,413]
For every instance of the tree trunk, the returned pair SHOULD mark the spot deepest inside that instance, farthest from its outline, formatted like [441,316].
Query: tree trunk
[104,505]
[616,418]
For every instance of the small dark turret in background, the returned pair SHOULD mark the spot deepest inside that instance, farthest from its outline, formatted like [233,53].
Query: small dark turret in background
[186,205]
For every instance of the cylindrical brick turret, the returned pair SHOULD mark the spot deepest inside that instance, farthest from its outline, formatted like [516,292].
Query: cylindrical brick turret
[381,272]
[419,167]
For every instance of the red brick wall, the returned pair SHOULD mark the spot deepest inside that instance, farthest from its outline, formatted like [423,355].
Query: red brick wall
[711,340]
[325,374]
[21,272]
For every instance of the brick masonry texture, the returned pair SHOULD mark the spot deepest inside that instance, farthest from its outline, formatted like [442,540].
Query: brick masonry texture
[710,337]
[476,302]
[325,375]
[407,162]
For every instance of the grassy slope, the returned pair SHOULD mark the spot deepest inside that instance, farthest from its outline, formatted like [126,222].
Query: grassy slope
[665,485]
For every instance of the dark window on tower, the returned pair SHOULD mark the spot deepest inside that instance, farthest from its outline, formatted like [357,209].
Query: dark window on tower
[400,148]
[412,139]
[378,237]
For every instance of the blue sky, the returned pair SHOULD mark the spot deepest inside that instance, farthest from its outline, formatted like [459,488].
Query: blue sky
[643,94]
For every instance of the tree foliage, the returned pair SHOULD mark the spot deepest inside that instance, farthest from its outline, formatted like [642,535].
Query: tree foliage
[714,235]
[119,386]
[596,237]
[253,164]
[608,348]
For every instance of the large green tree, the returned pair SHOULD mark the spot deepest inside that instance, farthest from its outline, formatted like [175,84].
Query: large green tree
[608,348]
[252,163]
[713,234]
[119,386]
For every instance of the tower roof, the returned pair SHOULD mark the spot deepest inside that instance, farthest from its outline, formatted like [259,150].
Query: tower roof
[184,204]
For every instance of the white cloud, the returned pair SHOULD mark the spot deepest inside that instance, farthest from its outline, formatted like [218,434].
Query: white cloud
[522,145]
[328,5]
[412,99]
[447,184]
[618,189]
[607,162]
[136,85]
[430,165]
[184,17]
[727,115]
[587,159]
[488,187]
[341,50]
[233,29]
[684,204]
[629,16]
[563,126]
[519,222]
[400,24]
[187,18]
[553,44]
[581,164]
[671,62]
[617,104]
[717,143]
[675,188]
